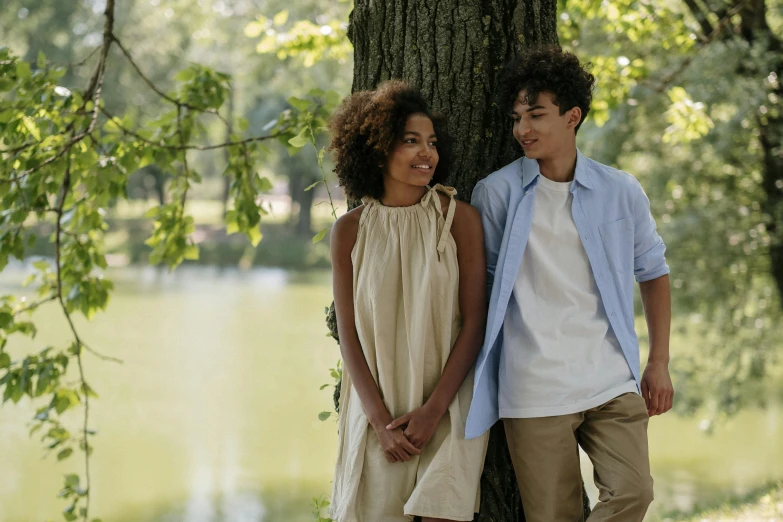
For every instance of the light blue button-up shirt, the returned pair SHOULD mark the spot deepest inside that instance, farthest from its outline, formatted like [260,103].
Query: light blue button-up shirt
[612,216]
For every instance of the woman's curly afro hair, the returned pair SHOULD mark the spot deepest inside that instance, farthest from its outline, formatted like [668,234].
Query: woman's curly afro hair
[365,128]
[549,69]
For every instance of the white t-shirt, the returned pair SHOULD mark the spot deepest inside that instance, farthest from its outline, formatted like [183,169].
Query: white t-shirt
[560,354]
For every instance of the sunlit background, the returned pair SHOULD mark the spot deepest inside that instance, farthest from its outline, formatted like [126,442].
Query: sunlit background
[213,414]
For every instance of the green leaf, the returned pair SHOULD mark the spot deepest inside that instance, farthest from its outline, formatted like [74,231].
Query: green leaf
[324,386]
[281,17]
[264,185]
[311,187]
[254,29]
[299,104]
[186,75]
[64,454]
[23,69]
[6,319]
[324,415]
[64,399]
[72,480]
[191,252]
[320,235]
[31,127]
[5,360]
[301,139]
[254,235]
[88,390]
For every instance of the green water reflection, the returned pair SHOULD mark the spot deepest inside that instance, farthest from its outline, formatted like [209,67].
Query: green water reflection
[213,415]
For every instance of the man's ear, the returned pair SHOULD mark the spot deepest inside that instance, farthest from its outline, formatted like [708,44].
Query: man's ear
[574,117]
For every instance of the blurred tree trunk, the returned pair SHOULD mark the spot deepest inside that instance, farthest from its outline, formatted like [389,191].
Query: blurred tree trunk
[454,52]
[298,181]
[764,62]
[755,30]
[303,224]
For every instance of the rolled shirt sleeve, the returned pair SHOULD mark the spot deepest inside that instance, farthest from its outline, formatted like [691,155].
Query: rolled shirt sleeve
[493,221]
[648,248]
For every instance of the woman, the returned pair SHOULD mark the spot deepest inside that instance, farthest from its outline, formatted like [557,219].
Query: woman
[409,293]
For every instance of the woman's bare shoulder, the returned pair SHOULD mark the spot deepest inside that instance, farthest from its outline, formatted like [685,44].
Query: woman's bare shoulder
[347,226]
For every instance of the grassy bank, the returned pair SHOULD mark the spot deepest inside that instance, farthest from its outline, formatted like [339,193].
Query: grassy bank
[763,504]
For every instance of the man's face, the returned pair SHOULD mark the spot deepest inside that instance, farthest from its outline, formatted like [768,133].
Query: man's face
[539,127]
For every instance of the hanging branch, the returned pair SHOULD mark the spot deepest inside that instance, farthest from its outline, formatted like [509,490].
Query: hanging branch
[163,145]
[159,92]
[667,80]
[65,163]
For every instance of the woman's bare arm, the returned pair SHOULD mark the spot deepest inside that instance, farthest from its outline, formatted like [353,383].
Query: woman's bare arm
[343,239]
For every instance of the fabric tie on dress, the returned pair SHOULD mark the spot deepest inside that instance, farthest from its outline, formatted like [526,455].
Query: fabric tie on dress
[432,196]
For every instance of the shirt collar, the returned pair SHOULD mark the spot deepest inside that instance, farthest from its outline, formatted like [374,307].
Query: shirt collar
[582,176]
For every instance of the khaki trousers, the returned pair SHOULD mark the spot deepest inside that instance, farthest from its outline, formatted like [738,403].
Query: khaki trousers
[545,455]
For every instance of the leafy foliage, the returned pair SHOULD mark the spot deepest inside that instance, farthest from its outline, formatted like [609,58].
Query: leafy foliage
[66,159]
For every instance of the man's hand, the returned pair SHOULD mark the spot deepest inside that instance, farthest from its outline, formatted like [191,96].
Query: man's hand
[657,388]
[419,425]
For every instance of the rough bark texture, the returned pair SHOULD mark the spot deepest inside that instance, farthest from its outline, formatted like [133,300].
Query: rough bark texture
[454,51]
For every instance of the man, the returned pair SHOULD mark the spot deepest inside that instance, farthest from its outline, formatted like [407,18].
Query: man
[564,237]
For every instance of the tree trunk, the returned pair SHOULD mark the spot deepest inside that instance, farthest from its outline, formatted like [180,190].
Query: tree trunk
[301,217]
[755,30]
[304,223]
[454,52]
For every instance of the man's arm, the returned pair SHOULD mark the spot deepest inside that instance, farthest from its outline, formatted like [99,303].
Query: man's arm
[651,272]
[657,388]
[493,220]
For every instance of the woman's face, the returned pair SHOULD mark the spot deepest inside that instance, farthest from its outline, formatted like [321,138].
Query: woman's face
[413,158]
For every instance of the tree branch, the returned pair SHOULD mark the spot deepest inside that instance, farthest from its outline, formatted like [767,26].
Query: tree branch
[134,134]
[160,93]
[722,24]
[20,147]
[35,305]
[701,18]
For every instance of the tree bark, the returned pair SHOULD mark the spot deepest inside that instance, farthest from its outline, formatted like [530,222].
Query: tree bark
[454,52]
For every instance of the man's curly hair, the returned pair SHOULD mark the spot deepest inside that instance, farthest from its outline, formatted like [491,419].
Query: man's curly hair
[365,128]
[549,69]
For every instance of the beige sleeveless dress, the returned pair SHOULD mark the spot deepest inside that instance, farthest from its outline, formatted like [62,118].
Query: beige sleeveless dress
[406,289]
